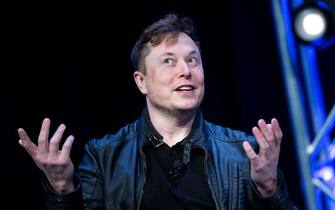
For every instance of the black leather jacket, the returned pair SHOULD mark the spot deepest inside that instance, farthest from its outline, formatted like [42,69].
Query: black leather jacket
[112,172]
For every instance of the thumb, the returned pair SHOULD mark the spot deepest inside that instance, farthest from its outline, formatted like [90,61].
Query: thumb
[26,143]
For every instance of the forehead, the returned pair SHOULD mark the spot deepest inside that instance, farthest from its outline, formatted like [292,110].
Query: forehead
[181,43]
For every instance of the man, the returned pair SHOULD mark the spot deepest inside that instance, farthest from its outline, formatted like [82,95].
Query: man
[170,158]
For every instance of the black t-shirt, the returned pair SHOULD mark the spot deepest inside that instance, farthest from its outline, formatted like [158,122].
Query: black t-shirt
[172,185]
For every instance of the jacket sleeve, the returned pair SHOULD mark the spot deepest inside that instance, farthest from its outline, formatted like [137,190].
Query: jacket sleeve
[88,193]
[56,201]
[278,201]
[91,178]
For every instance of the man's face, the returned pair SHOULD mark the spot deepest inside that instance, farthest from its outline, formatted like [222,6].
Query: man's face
[174,79]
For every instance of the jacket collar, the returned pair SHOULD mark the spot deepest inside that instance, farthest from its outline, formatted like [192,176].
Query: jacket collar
[149,136]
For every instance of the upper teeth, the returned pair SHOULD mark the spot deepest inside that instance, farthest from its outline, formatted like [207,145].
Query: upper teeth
[185,88]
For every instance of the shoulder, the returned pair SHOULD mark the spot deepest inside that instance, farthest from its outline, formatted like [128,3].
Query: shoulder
[229,135]
[124,135]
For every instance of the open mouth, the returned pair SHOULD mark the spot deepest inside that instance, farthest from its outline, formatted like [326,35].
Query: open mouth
[185,88]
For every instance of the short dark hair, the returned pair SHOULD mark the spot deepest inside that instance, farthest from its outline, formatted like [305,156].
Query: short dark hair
[155,33]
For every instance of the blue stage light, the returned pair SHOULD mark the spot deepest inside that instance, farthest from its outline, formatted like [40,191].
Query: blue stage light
[310,24]
[314,24]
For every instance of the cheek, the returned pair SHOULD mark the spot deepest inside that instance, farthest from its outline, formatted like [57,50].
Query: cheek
[199,77]
[158,83]
[163,79]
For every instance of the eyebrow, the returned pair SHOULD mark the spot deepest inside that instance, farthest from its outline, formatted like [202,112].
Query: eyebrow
[166,54]
[194,52]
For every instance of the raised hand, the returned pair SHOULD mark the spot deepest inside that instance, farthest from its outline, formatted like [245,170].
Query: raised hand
[53,161]
[264,164]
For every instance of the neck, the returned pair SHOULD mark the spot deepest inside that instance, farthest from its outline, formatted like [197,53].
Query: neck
[174,127]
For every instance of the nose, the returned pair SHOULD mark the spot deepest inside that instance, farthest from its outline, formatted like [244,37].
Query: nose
[184,70]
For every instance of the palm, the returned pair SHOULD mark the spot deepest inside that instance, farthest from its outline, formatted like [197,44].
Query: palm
[55,163]
[264,164]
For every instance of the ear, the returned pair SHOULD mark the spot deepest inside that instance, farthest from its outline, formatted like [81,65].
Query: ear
[139,78]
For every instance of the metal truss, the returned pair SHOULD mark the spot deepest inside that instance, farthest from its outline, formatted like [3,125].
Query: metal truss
[312,123]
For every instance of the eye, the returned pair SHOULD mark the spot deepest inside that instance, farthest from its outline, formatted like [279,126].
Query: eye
[168,60]
[192,60]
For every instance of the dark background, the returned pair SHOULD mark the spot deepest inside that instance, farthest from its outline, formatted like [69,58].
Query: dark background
[70,61]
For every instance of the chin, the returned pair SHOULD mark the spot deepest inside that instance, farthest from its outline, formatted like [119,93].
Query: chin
[186,108]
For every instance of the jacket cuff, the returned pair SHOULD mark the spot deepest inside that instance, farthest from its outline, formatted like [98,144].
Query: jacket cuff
[279,200]
[66,201]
